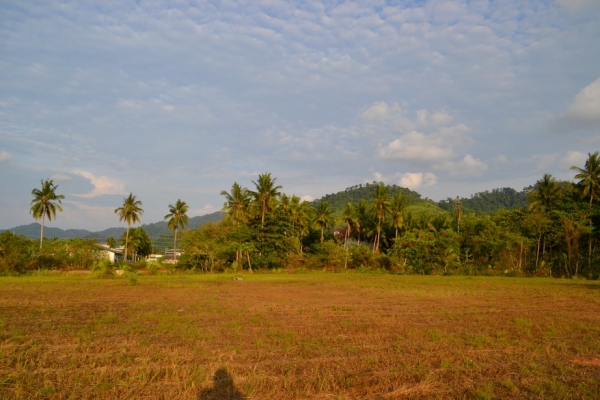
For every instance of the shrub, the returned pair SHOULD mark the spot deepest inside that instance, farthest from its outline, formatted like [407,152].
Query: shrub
[102,269]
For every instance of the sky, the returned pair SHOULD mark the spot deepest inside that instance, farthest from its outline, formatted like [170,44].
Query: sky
[180,99]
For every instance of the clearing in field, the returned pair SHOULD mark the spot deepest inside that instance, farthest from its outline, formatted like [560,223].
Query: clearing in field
[295,336]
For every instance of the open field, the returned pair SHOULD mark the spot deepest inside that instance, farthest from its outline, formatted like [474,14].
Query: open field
[295,336]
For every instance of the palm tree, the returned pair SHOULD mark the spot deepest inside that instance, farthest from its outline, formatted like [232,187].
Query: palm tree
[265,193]
[348,218]
[546,193]
[177,219]
[397,208]
[236,204]
[130,212]
[589,183]
[381,205]
[457,213]
[362,217]
[111,242]
[44,203]
[302,220]
[589,177]
[323,217]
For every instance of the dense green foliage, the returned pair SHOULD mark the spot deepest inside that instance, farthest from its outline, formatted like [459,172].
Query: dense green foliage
[19,254]
[554,234]
[353,195]
[489,202]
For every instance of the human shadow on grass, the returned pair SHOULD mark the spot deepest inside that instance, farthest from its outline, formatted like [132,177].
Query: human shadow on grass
[223,388]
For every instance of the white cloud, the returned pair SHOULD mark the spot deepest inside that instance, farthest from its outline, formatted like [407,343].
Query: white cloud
[468,166]
[500,159]
[102,185]
[60,177]
[426,140]
[585,108]
[416,146]
[5,156]
[573,158]
[415,180]
[377,111]
[411,180]
[307,197]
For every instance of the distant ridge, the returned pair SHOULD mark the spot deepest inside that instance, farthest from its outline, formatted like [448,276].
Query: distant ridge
[364,191]
[485,202]
[155,230]
[489,202]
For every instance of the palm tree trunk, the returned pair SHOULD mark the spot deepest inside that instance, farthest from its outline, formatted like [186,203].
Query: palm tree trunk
[590,239]
[42,231]
[249,265]
[537,256]
[321,237]
[175,245]
[126,240]
[346,238]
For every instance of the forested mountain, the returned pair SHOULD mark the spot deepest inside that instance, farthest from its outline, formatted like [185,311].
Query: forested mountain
[489,202]
[354,194]
[154,230]
[482,203]
[33,231]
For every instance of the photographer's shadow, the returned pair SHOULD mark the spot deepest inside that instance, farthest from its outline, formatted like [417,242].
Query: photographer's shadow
[223,388]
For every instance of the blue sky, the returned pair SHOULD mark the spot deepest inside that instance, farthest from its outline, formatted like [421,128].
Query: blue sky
[179,99]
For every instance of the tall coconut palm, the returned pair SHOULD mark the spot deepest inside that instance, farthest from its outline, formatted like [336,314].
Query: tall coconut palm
[130,212]
[348,218]
[265,193]
[362,217]
[302,220]
[381,206]
[457,213]
[44,203]
[398,206]
[323,217]
[546,193]
[236,204]
[294,211]
[177,219]
[589,183]
[589,177]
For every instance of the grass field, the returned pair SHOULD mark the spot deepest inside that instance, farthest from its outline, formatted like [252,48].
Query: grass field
[295,336]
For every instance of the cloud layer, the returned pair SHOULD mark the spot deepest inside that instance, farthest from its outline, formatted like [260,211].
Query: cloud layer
[179,99]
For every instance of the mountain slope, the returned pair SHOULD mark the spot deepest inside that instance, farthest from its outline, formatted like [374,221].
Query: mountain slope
[354,194]
[155,230]
[489,202]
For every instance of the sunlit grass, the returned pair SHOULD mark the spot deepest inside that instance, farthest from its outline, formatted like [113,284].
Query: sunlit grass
[304,335]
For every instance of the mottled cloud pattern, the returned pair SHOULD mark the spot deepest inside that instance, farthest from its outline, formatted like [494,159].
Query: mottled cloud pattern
[173,100]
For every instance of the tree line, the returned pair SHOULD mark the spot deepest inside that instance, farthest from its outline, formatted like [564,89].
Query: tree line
[555,234]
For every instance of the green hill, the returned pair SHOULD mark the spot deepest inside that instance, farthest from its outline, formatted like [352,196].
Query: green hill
[155,230]
[488,202]
[354,194]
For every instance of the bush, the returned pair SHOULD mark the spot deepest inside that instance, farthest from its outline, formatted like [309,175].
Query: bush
[102,269]
[16,253]
[360,256]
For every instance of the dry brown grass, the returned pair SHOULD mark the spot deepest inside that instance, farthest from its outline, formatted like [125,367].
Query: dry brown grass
[329,336]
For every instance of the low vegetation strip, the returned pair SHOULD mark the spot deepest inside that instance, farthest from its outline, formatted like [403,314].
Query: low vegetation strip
[295,336]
